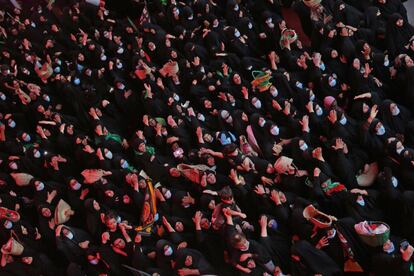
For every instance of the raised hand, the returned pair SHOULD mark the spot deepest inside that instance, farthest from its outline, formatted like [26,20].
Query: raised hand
[323,242]
[332,117]
[259,189]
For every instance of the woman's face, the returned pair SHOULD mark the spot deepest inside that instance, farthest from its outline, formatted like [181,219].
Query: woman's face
[73,183]
[334,54]
[365,108]
[211,161]
[179,226]
[207,104]
[387,245]
[37,184]
[400,22]
[212,204]
[46,212]
[211,178]
[6,54]
[69,130]
[65,232]
[111,223]
[208,138]
[356,64]
[366,48]
[282,25]
[174,172]
[142,184]
[227,117]
[282,197]
[91,257]
[215,22]
[316,57]
[188,260]
[119,243]
[141,147]
[251,264]
[122,162]
[152,122]
[175,11]
[244,117]
[399,146]
[378,126]
[237,79]
[393,106]
[27,260]
[205,224]
[408,61]
[96,205]
[243,244]
[261,121]
[151,46]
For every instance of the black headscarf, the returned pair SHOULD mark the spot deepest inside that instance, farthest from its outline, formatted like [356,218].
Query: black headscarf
[398,37]
[397,122]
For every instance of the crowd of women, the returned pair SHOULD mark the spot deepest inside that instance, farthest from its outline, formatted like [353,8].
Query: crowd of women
[203,139]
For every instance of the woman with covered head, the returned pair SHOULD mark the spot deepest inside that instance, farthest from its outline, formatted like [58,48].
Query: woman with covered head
[395,117]
[165,253]
[289,177]
[192,261]
[399,32]
[31,262]
[374,134]
[249,256]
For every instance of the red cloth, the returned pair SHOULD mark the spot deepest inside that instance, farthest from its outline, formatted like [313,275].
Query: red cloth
[293,22]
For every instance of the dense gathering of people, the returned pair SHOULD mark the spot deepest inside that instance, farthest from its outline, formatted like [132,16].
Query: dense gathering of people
[204,138]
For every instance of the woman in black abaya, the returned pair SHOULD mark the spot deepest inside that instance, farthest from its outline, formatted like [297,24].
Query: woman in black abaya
[409,137]
[34,263]
[394,116]
[360,110]
[246,27]
[166,252]
[301,152]
[344,127]
[363,205]
[191,259]
[390,200]
[93,213]
[360,251]
[240,123]
[72,242]
[258,137]
[399,32]
[347,14]
[389,7]
[96,263]
[308,260]
[335,64]
[375,22]
[360,81]
[388,260]
[374,136]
